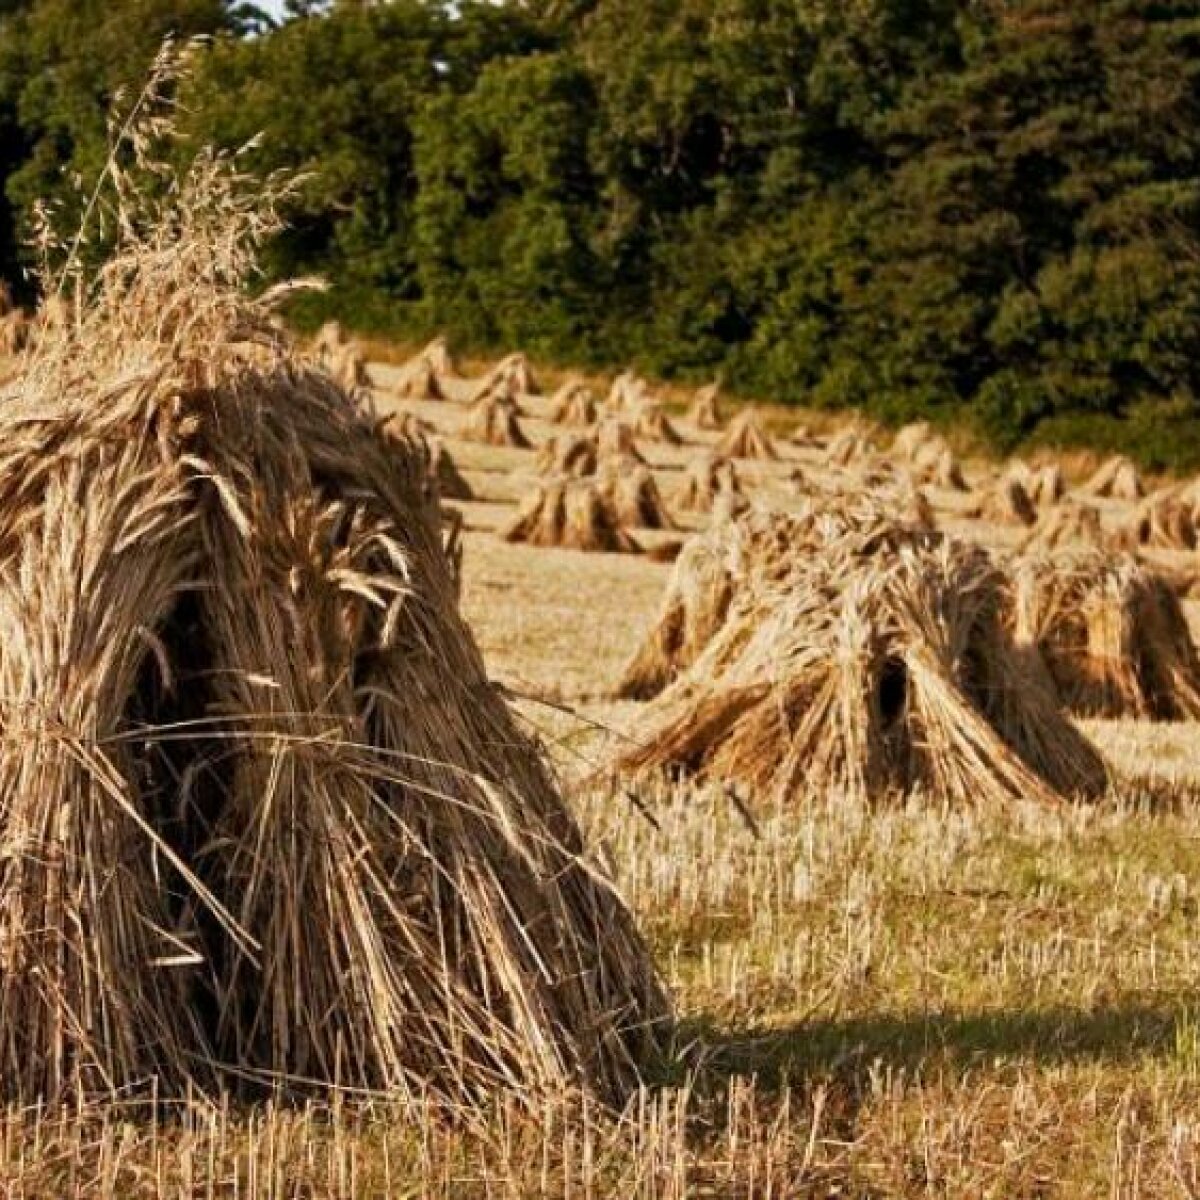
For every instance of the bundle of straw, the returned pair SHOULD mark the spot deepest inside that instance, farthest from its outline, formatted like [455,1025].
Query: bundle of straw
[1110,631]
[651,424]
[856,659]
[265,819]
[573,515]
[573,404]
[745,437]
[1116,479]
[704,412]
[492,420]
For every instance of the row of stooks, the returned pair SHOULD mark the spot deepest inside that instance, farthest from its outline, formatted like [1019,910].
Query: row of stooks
[598,487]
[600,477]
[596,518]
[1095,634]
[844,653]
[1038,634]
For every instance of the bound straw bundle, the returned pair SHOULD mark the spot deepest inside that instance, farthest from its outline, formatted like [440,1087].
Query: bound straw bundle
[265,820]
[849,657]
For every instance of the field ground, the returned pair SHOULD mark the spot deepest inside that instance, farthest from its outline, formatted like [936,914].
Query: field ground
[908,1002]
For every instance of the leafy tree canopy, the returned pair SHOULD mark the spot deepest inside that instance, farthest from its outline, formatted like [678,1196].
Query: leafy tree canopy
[979,208]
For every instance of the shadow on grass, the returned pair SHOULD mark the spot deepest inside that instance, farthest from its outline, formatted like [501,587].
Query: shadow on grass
[956,1041]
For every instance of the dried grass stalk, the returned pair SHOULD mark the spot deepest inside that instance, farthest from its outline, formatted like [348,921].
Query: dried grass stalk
[665,552]
[878,474]
[860,659]
[1111,633]
[1189,494]
[411,435]
[909,505]
[407,426]
[729,505]
[100,542]
[693,610]
[1047,485]
[53,315]
[496,390]
[1044,486]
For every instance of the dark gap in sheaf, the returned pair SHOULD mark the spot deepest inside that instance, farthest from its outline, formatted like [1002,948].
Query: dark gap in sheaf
[185,775]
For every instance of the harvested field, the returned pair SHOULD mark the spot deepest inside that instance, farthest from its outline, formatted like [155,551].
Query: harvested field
[924,931]
[877,991]
[976,984]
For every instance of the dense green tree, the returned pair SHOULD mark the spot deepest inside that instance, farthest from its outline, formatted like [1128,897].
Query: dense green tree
[336,98]
[987,208]
[1027,252]
[63,64]
[14,141]
[507,205]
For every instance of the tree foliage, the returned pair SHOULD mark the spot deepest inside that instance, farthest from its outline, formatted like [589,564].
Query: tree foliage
[985,208]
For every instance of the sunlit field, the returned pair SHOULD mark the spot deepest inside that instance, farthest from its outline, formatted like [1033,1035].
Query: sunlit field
[908,999]
[599,600]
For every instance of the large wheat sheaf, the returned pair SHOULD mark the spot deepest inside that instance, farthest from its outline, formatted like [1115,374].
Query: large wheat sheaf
[264,819]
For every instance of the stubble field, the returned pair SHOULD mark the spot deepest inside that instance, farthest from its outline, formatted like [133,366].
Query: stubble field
[907,1001]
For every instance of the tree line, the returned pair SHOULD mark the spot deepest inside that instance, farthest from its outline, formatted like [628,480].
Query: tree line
[979,209]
